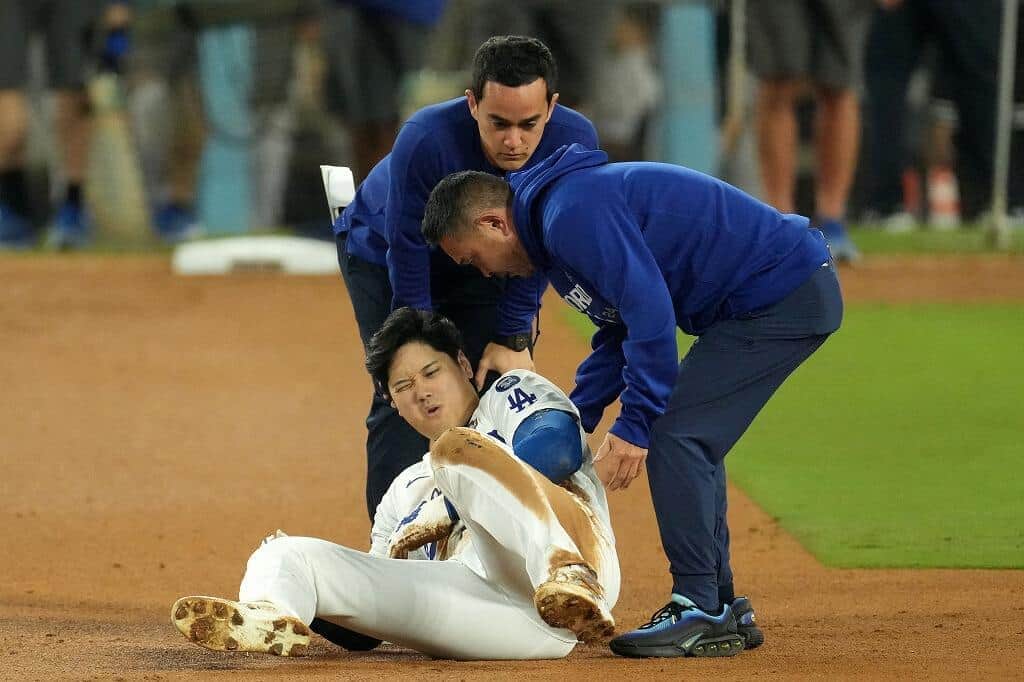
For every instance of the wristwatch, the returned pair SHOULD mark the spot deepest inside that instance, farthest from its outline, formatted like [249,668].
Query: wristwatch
[517,342]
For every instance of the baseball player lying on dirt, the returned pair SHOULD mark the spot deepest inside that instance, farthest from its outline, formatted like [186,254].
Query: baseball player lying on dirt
[501,558]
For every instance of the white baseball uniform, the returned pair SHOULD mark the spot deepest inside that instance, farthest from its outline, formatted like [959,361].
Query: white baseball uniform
[472,598]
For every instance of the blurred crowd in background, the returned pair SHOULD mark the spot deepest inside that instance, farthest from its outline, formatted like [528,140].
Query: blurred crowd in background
[228,107]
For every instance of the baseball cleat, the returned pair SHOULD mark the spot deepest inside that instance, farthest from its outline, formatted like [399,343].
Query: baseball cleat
[225,625]
[573,599]
[746,625]
[681,629]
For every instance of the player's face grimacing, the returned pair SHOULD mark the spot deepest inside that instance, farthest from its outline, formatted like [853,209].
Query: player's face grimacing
[511,121]
[430,390]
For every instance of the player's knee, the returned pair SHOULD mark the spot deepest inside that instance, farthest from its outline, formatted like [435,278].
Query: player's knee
[453,447]
[282,550]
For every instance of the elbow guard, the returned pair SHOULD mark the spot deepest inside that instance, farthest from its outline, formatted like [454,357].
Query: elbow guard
[550,442]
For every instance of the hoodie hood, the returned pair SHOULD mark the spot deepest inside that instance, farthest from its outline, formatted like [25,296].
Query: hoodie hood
[529,185]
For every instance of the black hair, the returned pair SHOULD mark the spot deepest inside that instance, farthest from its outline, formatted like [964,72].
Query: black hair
[455,196]
[403,326]
[513,61]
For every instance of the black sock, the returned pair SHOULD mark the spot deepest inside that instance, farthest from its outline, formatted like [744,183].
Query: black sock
[74,197]
[13,192]
[726,594]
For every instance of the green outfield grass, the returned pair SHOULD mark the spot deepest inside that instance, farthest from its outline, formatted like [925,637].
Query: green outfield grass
[969,239]
[900,443]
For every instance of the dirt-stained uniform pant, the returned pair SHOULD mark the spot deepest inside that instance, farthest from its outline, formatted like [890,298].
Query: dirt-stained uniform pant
[477,605]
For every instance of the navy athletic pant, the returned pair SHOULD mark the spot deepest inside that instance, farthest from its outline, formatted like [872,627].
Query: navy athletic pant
[724,381]
[462,295]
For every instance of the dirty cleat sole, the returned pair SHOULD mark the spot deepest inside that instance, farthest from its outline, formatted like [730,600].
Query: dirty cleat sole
[225,625]
[564,605]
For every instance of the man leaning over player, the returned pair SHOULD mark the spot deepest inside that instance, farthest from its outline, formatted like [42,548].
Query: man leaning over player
[508,119]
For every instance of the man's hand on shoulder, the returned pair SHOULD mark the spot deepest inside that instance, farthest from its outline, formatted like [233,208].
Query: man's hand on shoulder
[618,462]
[500,359]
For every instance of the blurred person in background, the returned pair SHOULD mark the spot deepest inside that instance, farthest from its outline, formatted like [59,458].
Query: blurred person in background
[816,44]
[69,29]
[578,34]
[372,46]
[167,120]
[966,33]
[624,119]
[175,101]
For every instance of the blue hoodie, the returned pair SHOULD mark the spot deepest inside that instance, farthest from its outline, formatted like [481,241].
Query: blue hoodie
[643,248]
[383,221]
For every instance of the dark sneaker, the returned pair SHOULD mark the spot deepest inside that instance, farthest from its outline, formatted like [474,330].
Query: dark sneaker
[745,623]
[681,629]
[15,231]
[176,224]
[71,229]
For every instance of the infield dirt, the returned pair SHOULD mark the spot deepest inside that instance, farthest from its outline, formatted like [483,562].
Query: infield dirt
[154,428]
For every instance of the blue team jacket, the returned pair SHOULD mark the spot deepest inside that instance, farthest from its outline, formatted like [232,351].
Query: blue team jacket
[643,248]
[383,221]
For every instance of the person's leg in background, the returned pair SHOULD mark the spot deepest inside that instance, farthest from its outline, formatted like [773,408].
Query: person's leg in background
[384,49]
[167,122]
[777,140]
[68,23]
[175,218]
[15,229]
[969,33]
[579,41]
[836,141]
[779,54]
[892,53]
[840,39]
[499,17]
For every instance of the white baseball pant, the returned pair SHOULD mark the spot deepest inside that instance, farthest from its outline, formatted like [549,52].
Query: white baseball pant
[477,605]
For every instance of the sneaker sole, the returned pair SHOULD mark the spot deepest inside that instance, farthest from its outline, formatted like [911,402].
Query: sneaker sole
[563,605]
[712,647]
[752,636]
[219,625]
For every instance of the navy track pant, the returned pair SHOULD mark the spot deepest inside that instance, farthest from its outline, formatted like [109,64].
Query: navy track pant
[724,381]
